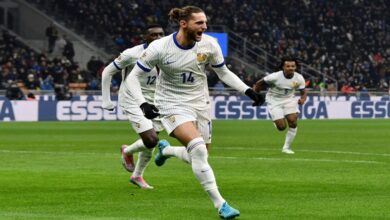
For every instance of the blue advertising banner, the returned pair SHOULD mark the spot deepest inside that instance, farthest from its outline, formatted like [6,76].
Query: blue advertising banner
[86,108]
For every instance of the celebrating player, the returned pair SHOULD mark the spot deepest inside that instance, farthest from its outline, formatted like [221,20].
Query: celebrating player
[144,127]
[181,96]
[280,99]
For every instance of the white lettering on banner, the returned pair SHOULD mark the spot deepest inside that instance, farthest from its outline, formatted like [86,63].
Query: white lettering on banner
[370,109]
[18,110]
[311,110]
[63,110]
[79,111]
[315,108]
[95,110]
[85,110]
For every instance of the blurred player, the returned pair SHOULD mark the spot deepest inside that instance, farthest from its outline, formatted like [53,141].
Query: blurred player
[143,126]
[280,99]
[181,92]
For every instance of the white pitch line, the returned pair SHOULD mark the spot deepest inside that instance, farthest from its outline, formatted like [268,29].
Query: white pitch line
[56,153]
[303,150]
[302,159]
[217,157]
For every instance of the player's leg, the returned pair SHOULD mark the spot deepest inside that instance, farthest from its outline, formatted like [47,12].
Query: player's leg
[182,127]
[203,125]
[291,133]
[188,135]
[144,146]
[291,114]
[165,150]
[144,157]
[149,139]
[277,116]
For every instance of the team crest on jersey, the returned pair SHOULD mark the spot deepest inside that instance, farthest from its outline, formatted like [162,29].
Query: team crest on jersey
[201,57]
[295,84]
[172,119]
[138,125]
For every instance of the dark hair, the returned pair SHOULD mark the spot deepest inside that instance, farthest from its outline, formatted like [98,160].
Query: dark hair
[178,14]
[288,58]
[153,26]
[146,31]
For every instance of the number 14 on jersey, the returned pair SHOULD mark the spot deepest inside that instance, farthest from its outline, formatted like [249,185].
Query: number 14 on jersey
[188,77]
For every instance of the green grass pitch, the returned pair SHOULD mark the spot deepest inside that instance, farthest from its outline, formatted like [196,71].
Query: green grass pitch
[72,170]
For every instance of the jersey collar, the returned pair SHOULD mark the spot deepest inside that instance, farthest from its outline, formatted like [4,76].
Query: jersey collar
[178,45]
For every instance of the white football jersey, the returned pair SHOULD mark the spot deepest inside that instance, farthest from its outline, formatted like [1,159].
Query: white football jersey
[125,62]
[183,81]
[281,87]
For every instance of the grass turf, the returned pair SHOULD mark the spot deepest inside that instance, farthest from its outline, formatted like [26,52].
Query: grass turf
[72,170]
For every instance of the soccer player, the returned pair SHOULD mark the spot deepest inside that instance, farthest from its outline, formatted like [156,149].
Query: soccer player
[181,96]
[143,126]
[281,103]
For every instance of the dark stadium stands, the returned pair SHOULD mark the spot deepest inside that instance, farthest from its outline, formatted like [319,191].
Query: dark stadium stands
[30,70]
[348,40]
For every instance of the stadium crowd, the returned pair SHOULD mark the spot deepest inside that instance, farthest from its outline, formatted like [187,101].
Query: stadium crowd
[348,40]
[23,68]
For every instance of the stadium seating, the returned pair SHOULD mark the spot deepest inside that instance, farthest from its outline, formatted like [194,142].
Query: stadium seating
[344,39]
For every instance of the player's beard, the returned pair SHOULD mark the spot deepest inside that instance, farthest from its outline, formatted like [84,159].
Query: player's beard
[193,35]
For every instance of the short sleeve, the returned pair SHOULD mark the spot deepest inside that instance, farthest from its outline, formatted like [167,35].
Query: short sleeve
[270,78]
[125,59]
[149,57]
[217,59]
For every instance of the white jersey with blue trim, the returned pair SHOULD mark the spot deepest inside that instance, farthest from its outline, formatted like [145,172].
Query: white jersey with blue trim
[125,62]
[183,80]
[281,88]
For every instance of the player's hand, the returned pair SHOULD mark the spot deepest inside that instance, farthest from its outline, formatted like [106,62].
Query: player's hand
[150,111]
[301,101]
[256,97]
[108,106]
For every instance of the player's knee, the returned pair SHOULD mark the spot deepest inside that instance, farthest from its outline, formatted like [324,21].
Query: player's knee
[150,141]
[281,127]
[200,151]
[292,124]
[197,149]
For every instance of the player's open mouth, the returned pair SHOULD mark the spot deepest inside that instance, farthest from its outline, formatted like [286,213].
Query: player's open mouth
[199,33]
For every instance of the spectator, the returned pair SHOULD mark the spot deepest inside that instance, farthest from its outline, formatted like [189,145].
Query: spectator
[347,89]
[51,34]
[14,92]
[47,83]
[68,50]
[94,65]
[59,46]
[31,83]
[62,93]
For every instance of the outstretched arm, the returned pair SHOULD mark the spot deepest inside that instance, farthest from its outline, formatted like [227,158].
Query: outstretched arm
[107,74]
[258,86]
[233,81]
